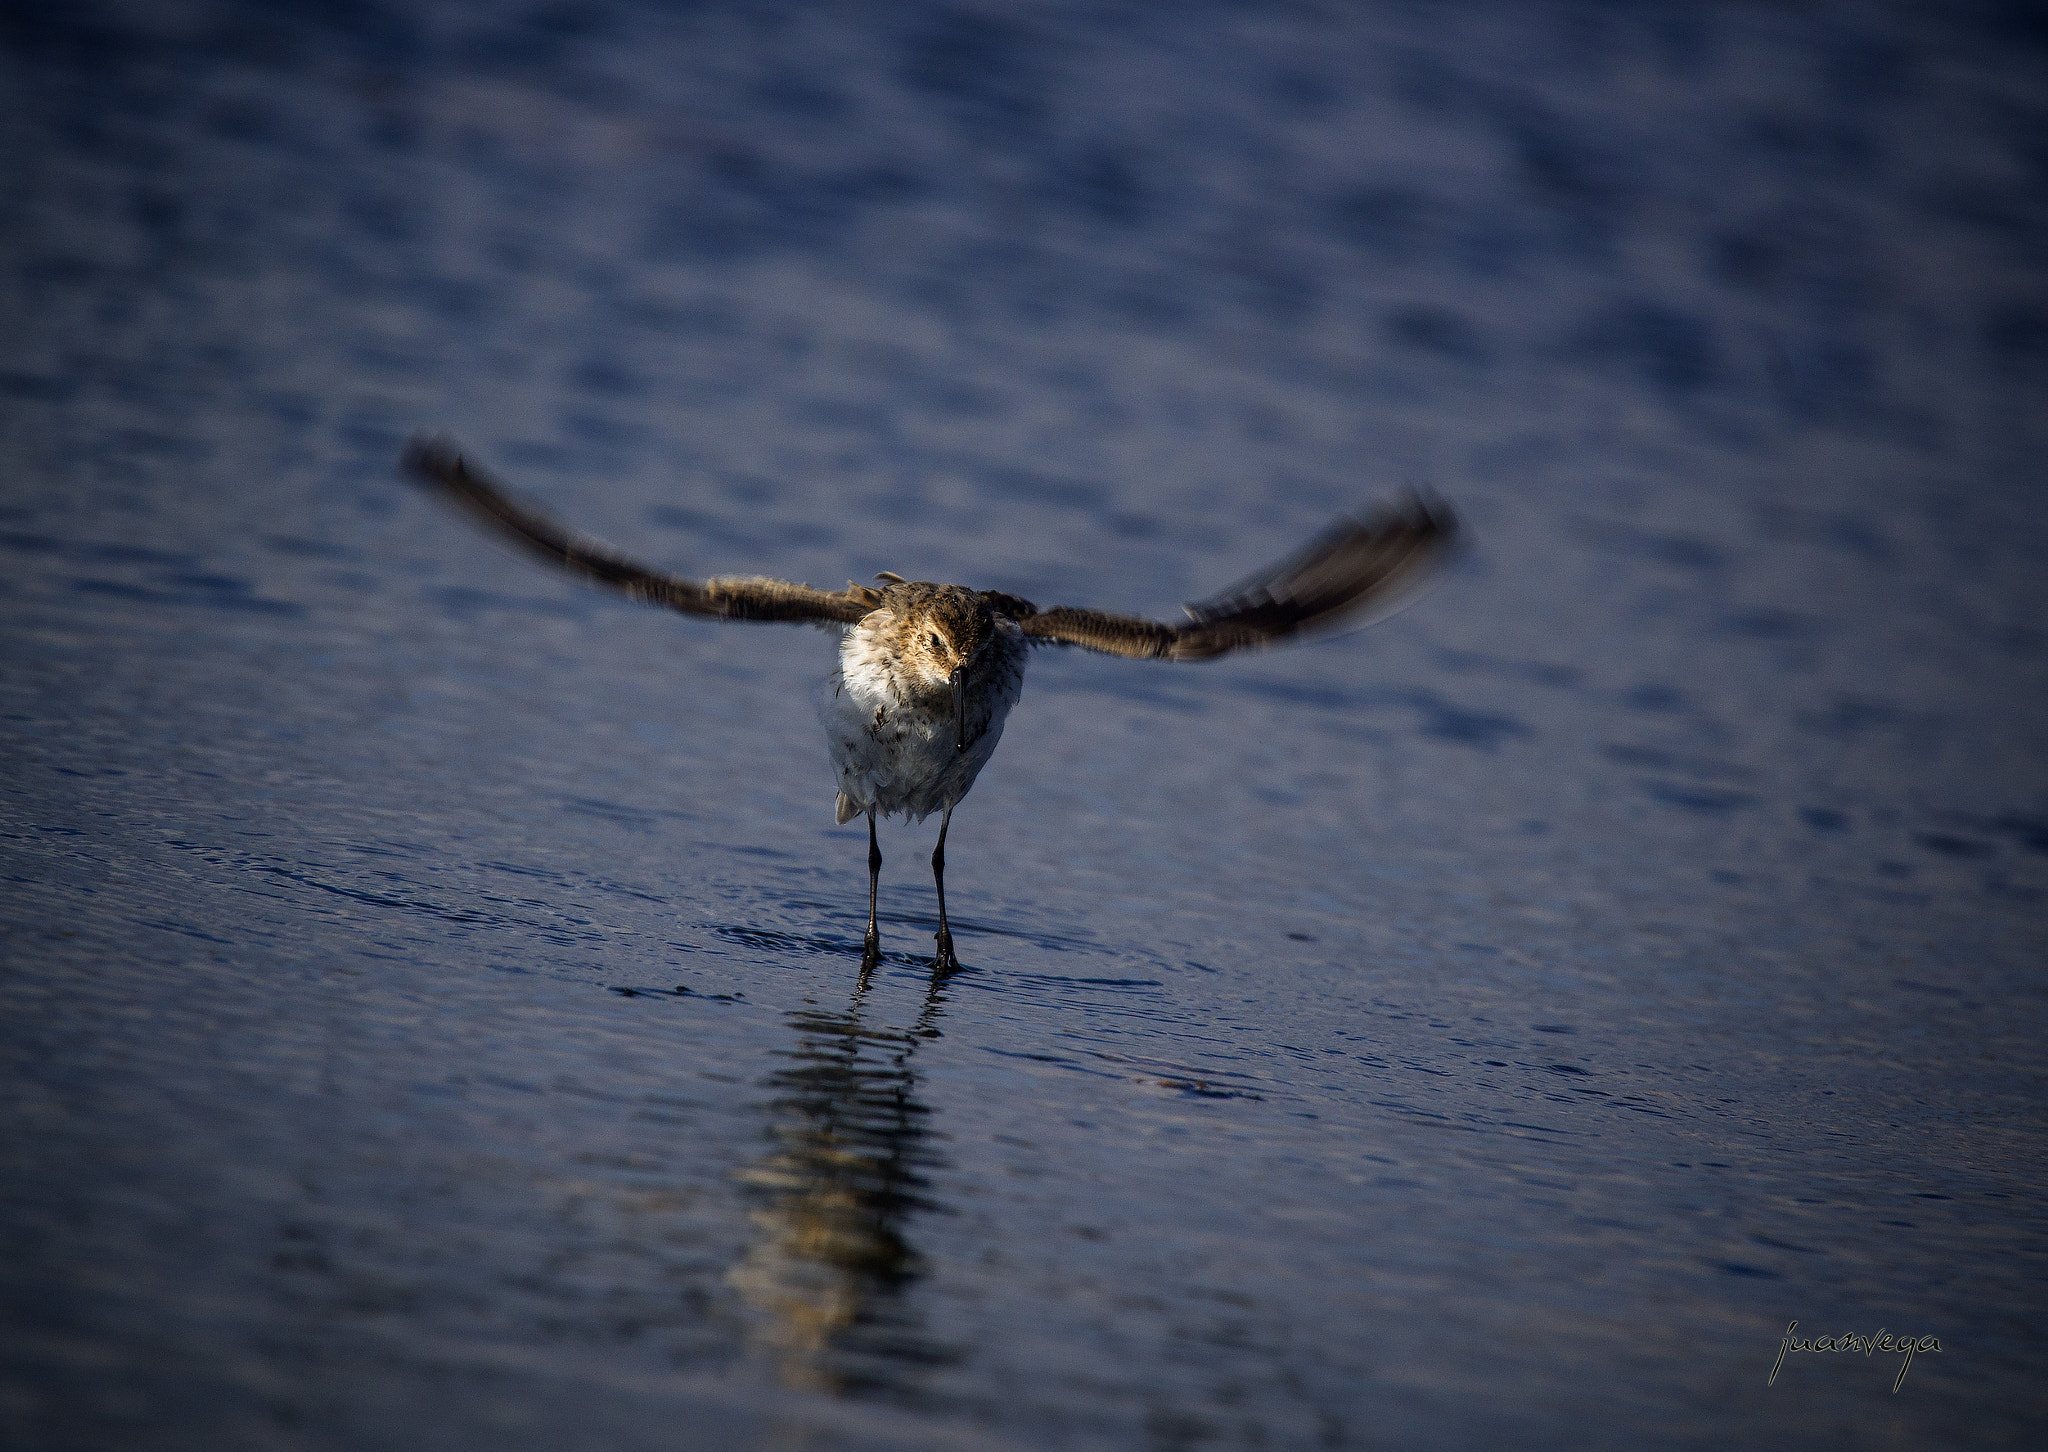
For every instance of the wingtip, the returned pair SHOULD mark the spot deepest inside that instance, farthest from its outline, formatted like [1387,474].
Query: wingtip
[1438,510]
[1406,539]
[1417,505]
[1421,504]
[429,458]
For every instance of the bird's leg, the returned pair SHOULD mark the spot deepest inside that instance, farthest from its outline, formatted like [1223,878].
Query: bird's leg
[946,962]
[871,949]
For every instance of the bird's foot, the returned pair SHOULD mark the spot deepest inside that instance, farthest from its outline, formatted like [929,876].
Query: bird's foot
[945,962]
[870,952]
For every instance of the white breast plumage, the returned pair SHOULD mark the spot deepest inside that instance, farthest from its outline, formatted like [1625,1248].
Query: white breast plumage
[894,749]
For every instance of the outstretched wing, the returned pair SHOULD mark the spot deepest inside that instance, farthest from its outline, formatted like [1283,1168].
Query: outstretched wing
[1353,573]
[437,464]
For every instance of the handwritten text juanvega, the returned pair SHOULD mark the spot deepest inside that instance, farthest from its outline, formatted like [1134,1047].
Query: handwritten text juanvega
[1907,1346]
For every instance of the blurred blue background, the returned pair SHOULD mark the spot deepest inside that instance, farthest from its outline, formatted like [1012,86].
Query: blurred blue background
[431,1015]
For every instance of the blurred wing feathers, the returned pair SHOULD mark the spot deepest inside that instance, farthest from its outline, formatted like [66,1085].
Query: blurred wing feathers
[437,464]
[1129,635]
[1353,573]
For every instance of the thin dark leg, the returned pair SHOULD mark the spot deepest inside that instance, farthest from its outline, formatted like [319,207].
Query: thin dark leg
[871,950]
[946,961]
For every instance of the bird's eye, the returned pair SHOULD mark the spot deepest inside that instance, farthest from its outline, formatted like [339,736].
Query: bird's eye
[938,645]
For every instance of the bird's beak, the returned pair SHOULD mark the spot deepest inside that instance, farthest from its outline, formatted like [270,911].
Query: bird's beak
[960,709]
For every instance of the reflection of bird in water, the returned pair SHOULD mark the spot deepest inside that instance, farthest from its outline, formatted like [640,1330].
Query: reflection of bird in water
[829,1268]
[928,673]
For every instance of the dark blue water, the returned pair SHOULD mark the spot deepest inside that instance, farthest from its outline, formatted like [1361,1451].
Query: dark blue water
[431,1011]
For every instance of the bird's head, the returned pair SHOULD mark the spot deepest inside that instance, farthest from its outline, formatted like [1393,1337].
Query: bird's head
[944,635]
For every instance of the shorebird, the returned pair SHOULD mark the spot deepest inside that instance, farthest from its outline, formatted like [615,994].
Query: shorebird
[927,673]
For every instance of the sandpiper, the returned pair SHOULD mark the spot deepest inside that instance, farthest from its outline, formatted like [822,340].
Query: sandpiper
[927,673]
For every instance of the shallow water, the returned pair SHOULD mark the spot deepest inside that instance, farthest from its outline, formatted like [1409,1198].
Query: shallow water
[432,1011]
